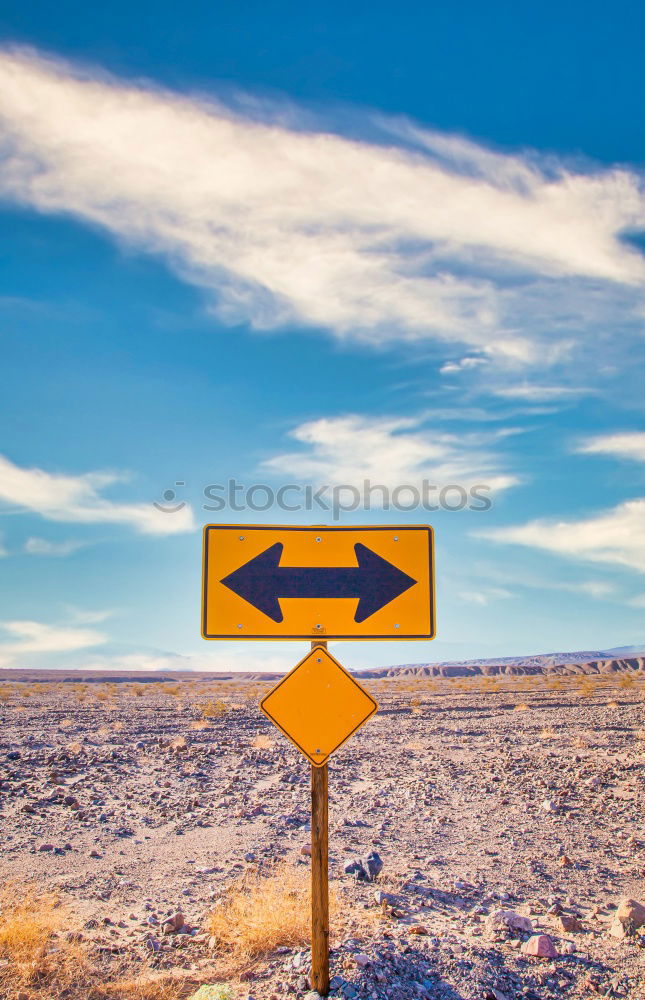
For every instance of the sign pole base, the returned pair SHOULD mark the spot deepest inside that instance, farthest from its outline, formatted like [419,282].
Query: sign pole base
[319,876]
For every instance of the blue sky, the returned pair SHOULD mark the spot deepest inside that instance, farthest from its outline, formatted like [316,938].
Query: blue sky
[293,245]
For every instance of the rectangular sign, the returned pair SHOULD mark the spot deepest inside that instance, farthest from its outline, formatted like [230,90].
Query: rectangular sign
[293,582]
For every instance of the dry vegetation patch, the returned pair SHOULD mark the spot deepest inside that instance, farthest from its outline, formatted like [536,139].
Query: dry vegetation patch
[214,709]
[260,913]
[42,957]
[263,742]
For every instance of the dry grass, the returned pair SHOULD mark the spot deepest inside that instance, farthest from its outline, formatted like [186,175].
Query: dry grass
[260,913]
[214,709]
[263,742]
[522,707]
[38,961]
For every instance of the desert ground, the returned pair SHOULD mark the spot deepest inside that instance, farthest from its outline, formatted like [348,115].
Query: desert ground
[155,841]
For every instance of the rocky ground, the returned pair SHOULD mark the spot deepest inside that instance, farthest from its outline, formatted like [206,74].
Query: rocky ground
[501,810]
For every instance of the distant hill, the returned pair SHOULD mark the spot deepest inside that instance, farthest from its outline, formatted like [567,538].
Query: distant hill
[607,661]
[621,659]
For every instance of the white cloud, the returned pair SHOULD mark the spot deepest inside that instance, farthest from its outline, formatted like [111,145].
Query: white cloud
[638,601]
[35,637]
[485,596]
[77,499]
[235,661]
[389,451]
[464,364]
[135,662]
[616,536]
[81,616]
[423,235]
[539,393]
[43,547]
[630,445]
[598,589]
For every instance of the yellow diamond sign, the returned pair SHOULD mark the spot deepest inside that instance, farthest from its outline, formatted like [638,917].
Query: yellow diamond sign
[318,706]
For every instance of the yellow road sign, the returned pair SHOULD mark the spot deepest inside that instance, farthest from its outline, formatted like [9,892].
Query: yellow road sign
[286,582]
[318,706]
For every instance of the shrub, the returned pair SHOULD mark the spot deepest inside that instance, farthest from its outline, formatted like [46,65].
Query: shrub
[39,961]
[260,913]
[214,709]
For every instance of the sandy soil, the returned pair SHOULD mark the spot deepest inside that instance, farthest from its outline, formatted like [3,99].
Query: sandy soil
[479,796]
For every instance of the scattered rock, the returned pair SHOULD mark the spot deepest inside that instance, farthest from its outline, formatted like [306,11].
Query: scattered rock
[629,912]
[174,923]
[568,924]
[539,945]
[509,920]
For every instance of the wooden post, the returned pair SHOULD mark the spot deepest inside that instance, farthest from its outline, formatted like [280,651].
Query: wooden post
[319,876]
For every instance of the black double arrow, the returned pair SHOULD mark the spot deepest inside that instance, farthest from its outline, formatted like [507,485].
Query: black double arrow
[263,581]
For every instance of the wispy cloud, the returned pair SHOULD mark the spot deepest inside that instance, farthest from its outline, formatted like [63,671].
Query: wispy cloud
[464,364]
[83,616]
[630,445]
[484,596]
[420,235]
[77,499]
[26,637]
[43,547]
[616,536]
[390,451]
[531,393]
[234,661]
[508,578]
